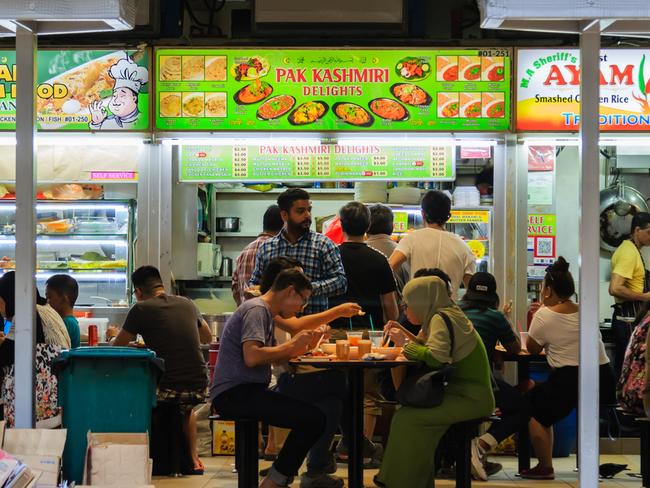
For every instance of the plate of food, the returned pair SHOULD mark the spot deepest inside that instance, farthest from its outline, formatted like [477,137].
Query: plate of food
[410,94]
[388,109]
[193,104]
[353,114]
[413,68]
[248,69]
[308,112]
[275,107]
[315,356]
[252,93]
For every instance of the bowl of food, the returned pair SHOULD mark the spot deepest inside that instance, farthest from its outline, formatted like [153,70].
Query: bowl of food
[391,353]
[328,348]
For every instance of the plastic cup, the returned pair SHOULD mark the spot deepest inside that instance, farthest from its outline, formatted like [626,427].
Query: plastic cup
[376,336]
[342,350]
[354,337]
[523,336]
[365,346]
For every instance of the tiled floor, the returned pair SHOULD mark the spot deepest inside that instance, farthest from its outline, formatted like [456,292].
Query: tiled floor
[219,475]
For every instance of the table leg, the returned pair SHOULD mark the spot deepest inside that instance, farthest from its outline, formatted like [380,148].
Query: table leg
[355,449]
[523,438]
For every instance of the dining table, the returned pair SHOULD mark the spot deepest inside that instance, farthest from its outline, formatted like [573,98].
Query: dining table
[354,370]
[523,360]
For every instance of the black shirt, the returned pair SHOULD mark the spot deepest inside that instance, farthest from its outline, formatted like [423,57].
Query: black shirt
[369,277]
[168,325]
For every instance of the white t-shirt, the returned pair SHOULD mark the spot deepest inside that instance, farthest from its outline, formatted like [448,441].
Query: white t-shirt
[433,248]
[559,333]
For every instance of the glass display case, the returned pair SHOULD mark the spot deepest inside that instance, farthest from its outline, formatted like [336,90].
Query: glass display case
[473,225]
[92,240]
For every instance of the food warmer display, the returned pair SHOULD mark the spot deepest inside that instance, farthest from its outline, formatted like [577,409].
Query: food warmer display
[93,240]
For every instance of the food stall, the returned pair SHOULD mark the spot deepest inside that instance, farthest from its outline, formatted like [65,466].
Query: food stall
[375,125]
[93,118]
[547,118]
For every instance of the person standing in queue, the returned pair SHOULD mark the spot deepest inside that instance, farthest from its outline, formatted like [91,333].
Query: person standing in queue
[243,372]
[629,284]
[434,247]
[371,284]
[320,258]
[379,238]
[271,225]
[171,327]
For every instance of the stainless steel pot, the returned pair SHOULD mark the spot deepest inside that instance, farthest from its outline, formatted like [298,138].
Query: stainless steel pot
[227,224]
[618,204]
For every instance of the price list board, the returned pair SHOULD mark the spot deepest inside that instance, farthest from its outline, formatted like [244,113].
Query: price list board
[226,163]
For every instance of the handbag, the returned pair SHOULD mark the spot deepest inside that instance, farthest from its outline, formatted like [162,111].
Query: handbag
[422,387]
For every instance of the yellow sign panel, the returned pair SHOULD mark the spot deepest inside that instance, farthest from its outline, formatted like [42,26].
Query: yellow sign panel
[469,217]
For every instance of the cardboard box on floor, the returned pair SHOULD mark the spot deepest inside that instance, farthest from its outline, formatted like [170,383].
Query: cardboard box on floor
[114,459]
[39,449]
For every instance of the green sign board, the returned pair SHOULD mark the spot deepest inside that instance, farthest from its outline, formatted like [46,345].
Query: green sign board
[332,90]
[318,162]
[82,90]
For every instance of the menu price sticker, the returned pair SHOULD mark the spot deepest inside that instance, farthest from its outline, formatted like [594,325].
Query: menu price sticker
[315,163]
[338,90]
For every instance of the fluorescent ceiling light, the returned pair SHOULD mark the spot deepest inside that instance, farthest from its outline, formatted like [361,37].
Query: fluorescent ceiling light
[68,16]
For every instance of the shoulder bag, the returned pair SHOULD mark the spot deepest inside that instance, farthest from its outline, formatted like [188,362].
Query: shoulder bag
[422,387]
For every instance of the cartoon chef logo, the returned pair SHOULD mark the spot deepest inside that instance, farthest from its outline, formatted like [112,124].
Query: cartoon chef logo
[122,107]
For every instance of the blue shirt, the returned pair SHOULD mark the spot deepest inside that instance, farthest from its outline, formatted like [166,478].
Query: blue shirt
[252,321]
[321,262]
[72,325]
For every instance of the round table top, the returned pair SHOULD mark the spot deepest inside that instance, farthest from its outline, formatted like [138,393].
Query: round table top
[352,363]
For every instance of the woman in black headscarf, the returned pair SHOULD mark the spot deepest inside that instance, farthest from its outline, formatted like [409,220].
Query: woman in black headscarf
[51,338]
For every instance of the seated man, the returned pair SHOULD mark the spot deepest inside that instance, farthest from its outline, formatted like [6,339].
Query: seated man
[171,328]
[61,292]
[243,372]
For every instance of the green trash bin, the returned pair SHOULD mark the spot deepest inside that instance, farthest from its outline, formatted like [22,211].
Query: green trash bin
[104,389]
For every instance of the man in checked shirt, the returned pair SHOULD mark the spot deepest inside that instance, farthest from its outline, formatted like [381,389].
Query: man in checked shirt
[320,257]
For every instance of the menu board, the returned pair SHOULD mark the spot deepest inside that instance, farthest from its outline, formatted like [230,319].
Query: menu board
[82,90]
[318,162]
[332,89]
[548,89]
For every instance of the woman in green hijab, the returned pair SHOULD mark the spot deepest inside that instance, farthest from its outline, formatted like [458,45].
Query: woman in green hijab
[415,432]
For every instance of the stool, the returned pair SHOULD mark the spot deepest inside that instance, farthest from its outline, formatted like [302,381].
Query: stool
[168,446]
[644,423]
[246,456]
[464,433]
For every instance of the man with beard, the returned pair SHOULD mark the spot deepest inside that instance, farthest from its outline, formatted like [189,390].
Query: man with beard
[319,256]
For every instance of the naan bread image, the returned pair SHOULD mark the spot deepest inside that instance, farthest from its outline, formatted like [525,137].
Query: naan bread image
[215,105]
[170,104]
[170,68]
[193,104]
[216,68]
[193,68]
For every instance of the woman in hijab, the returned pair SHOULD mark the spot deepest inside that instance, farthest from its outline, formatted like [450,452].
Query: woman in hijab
[51,338]
[415,432]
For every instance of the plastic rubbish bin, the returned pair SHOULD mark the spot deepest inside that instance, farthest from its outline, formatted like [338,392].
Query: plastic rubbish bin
[104,389]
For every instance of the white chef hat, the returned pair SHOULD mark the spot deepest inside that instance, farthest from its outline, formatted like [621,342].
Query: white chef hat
[127,74]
